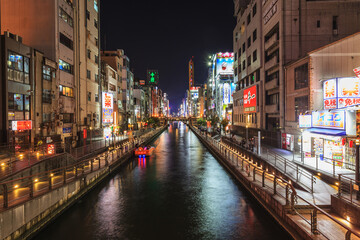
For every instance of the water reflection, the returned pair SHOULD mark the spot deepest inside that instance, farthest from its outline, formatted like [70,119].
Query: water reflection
[180,192]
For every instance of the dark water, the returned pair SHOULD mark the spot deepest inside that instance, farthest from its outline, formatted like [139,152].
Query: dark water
[181,192]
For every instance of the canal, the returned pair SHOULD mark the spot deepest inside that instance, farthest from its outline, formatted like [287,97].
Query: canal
[180,192]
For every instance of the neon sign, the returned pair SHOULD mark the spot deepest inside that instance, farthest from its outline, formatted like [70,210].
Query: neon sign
[325,119]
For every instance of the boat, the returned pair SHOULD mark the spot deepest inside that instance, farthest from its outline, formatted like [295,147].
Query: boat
[144,151]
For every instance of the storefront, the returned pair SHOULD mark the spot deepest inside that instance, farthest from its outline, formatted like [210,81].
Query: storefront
[329,137]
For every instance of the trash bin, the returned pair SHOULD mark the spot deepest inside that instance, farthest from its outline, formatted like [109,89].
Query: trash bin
[321,156]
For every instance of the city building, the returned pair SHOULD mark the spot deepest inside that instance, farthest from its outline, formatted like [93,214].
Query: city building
[288,30]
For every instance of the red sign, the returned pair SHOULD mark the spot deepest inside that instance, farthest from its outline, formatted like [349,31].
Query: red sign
[250,99]
[51,149]
[329,103]
[357,71]
[142,82]
[21,125]
[194,88]
[85,133]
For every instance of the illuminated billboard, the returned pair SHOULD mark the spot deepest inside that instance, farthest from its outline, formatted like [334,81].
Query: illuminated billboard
[227,93]
[324,119]
[341,92]
[305,121]
[107,107]
[21,125]
[224,63]
[250,99]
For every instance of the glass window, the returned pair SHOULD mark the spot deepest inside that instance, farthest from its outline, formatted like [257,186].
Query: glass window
[26,64]
[89,96]
[15,61]
[66,91]
[27,102]
[66,41]
[11,103]
[64,66]
[301,76]
[301,106]
[18,102]
[96,6]
[65,17]
[47,72]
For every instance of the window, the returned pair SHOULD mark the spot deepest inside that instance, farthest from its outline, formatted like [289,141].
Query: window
[318,23]
[18,68]
[46,96]
[66,41]
[301,76]
[119,90]
[96,6]
[95,23]
[96,59]
[96,97]
[88,14]
[301,106]
[335,23]
[89,96]
[254,55]
[112,87]
[243,48]
[249,42]
[96,78]
[248,19]
[254,10]
[88,74]
[66,67]
[66,17]
[254,35]
[46,117]
[272,99]
[66,91]
[252,79]
[239,53]
[243,65]
[48,72]
[249,60]
[89,54]
[68,117]
[96,42]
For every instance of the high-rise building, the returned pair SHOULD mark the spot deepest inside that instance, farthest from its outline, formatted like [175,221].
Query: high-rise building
[191,73]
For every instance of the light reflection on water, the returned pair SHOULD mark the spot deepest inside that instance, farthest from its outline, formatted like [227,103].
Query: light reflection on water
[181,192]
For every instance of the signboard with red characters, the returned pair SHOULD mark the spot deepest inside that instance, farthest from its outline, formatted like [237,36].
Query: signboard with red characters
[357,71]
[250,99]
[341,92]
[107,107]
[21,125]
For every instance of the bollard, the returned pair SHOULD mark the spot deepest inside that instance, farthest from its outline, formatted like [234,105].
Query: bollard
[314,229]
[274,184]
[263,179]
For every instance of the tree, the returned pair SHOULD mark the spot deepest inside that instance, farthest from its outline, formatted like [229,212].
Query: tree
[201,122]
[214,119]
[224,123]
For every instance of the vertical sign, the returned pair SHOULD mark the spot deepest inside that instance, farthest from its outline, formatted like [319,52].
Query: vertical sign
[107,107]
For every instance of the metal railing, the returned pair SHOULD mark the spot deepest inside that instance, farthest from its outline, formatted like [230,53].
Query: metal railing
[282,164]
[20,190]
[311,214]
[349,189]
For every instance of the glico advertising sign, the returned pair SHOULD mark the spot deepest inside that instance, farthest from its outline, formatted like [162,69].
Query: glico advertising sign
[250,99]
[325,119]
[341,92]
[107,107]
[224,63]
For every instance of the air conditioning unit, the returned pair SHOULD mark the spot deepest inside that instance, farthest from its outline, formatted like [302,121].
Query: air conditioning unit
[61,117]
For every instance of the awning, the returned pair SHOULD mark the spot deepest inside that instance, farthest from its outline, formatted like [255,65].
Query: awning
[325,131]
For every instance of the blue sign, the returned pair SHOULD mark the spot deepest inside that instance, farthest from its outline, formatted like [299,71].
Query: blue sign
[67,130]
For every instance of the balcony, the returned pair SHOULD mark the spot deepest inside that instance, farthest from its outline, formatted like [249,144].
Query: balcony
[271,63]
[274,83]
[273,41]
[272,108]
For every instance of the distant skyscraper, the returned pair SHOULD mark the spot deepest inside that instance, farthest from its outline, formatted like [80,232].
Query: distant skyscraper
[191,73]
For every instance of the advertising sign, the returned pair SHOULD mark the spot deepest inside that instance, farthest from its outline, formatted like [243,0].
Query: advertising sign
[332,120]
[21,125]
[142,82]
[107,107]
[341,92]
[226,93]
[67,130]
[225,63]
[305,121]
[250,99]
[357,71]
[330,94]
[348,92]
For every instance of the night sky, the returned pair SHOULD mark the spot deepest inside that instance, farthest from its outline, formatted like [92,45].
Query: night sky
[164,35]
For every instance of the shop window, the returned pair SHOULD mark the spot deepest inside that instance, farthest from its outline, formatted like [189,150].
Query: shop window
[66,67]
[301,76]
[66,91]
[301,106]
